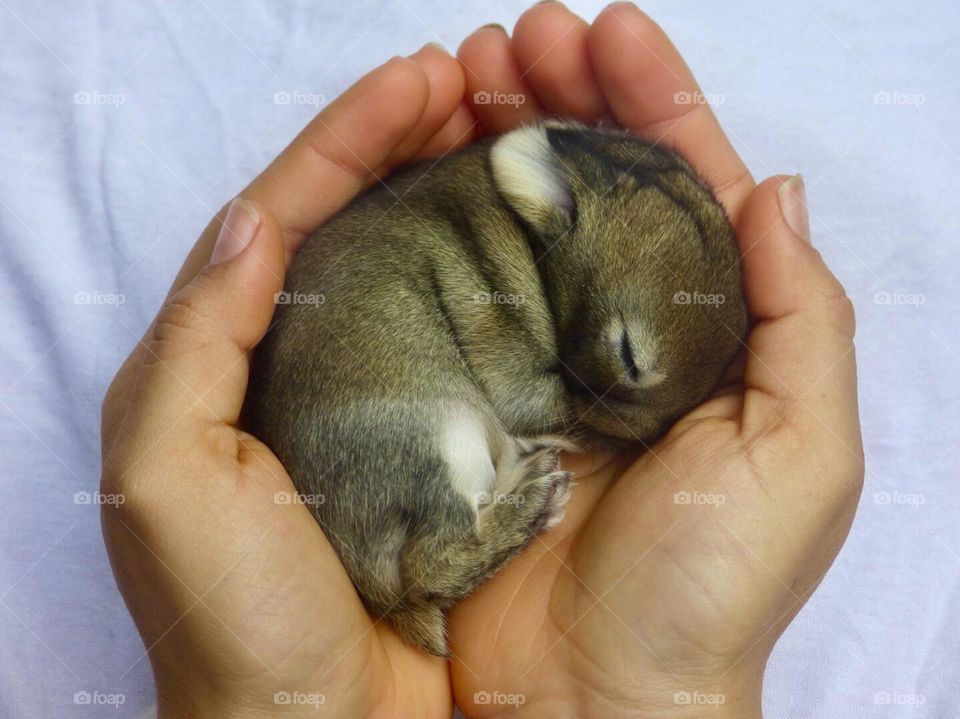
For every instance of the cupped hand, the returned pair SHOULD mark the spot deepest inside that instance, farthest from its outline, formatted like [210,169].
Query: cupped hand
[674,572]
[241,602]
[639,598]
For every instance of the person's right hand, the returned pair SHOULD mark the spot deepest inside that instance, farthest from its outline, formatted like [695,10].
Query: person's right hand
[242,603]
[664,588]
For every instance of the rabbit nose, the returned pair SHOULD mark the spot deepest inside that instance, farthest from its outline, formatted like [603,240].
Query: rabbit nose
[633,372]
[637,367]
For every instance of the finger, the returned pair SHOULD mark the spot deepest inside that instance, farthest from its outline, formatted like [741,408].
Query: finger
[550,45]
[445,78]
[332,159]
[800,355]
[316,175]
[461,129]
[497,94]
[339,153]
[195,368]
[651,90]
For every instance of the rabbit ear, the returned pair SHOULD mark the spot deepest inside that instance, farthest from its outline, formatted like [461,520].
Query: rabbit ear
[530,176]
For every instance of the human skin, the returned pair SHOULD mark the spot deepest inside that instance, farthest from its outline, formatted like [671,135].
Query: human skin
[636,600]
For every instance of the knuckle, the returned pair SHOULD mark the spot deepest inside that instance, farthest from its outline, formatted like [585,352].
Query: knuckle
[220,442]
[153,481]
[183,324]
[829,304]
[840,313]
[343,164]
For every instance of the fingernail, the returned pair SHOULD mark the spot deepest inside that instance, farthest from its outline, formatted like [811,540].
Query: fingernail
[494,25]
[793,206]
[239,227]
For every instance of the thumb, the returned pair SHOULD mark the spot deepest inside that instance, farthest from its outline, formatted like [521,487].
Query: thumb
[800,356]
[196,365]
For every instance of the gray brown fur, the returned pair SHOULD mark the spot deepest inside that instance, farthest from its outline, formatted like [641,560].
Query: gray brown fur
[366,397]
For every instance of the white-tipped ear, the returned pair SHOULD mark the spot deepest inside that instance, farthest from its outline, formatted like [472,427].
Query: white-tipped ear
[530,177]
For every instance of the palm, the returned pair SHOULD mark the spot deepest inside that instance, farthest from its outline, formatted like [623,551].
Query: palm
[262,586]
[279,598]
[677,564]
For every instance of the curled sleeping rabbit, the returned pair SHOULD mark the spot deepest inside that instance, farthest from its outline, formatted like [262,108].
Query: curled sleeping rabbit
[450,331]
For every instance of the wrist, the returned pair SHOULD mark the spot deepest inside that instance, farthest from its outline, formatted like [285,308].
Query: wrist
[205,702]
[178,707]
[659,697]
[736,697]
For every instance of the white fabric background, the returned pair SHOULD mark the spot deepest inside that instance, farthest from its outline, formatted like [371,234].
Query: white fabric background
[108,198]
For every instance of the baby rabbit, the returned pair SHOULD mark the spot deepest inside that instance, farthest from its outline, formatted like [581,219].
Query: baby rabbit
[453,329]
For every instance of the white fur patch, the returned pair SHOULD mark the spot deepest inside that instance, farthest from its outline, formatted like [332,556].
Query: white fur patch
[467,454]
[652,379]
[525,171]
